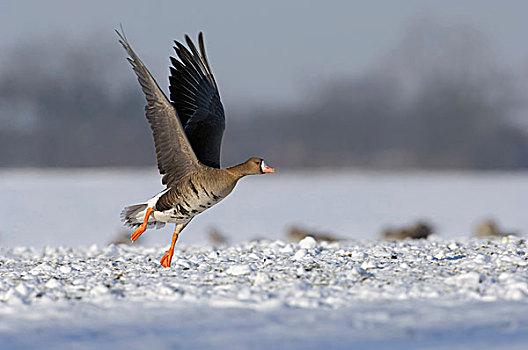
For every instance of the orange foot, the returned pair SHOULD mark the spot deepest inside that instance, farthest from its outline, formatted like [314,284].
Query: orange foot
[141,227]
[167,258]
[138,232]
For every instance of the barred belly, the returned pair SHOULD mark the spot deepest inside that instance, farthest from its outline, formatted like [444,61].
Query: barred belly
[187,205]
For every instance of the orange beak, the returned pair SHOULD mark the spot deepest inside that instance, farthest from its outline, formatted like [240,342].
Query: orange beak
[267,169]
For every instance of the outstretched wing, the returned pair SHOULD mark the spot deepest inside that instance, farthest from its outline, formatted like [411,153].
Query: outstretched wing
[175,155]
[195,96]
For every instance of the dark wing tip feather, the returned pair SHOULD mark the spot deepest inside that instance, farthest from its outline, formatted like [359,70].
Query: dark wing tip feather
[195,96]
[189,41]
[201,43]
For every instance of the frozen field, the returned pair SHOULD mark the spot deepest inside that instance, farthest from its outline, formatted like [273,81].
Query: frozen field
[469,294]
[72,290]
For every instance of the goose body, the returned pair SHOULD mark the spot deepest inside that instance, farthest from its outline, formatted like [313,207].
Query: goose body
[190,197]
[187,134]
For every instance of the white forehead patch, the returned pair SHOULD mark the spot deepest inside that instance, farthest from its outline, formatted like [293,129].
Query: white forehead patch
[263,166]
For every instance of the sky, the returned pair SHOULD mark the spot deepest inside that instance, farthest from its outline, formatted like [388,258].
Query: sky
[262,53]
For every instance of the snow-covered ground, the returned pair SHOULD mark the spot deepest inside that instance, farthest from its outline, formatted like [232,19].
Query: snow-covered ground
[448,292]
[434,294]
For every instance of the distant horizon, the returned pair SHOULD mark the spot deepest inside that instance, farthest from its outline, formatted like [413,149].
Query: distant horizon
[313,170]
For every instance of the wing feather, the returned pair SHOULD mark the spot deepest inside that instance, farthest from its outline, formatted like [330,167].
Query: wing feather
[194,94]
[175,155]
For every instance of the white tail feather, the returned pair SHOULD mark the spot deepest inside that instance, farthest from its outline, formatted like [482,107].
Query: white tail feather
[134,215]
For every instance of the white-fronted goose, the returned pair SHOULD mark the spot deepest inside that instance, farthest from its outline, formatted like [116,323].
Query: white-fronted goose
[188,135]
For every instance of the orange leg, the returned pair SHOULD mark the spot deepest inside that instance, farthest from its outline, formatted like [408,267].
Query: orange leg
[167,258]
[141,227]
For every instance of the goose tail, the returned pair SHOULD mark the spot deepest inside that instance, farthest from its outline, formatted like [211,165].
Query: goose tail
[133,216]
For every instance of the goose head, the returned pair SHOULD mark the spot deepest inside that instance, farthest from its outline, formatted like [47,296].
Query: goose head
[253,166]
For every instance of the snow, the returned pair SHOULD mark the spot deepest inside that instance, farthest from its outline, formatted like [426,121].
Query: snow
[437,293]
[62,286]
[307,243]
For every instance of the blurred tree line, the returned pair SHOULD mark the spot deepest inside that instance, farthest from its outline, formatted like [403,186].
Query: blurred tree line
[438,99]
